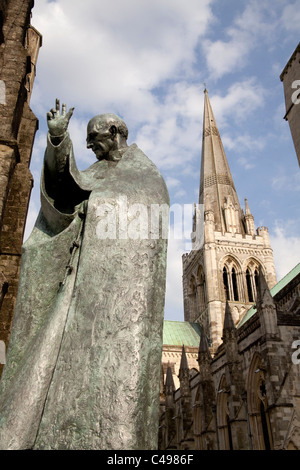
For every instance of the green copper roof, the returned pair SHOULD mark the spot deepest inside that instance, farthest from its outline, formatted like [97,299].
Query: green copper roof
[285,280]
[180,333]
[280,285]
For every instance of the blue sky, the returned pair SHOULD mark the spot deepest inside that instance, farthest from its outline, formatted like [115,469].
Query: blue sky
[147,61]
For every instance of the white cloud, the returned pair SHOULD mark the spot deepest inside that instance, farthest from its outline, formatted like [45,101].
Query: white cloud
[291,17]
[179,194]
[174,291]
[114,52]
[223,57]
[84,156]
[246,163]
[286,250]
[284,181]
[172,182]
[243,35]
[31,218]
[244,142]
[242,99]
[172,135]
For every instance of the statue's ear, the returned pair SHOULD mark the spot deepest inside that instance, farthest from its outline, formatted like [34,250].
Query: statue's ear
[113,130]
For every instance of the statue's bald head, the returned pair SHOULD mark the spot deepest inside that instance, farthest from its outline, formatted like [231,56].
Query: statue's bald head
[106,121]
[106,134]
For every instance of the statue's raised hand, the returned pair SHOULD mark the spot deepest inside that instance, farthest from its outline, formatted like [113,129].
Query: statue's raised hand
[58,122]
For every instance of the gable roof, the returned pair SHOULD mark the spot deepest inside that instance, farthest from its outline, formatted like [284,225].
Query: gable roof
[277,288]
[179,333]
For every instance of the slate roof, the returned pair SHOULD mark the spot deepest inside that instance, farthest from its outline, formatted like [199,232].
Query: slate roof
[179,333]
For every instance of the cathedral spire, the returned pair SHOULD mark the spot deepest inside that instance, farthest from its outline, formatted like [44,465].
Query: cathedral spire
[228,320]
[170,387]
[184,363]
[216,184]
[249,220]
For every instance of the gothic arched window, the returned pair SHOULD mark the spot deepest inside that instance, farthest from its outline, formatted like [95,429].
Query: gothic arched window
[226,283]
[229,433]
[251,274]
[264,424]
[223,419]
[234,285]
[256,278]
[231,280]
[193,308]
[258,406]
[201,295]
[249,286]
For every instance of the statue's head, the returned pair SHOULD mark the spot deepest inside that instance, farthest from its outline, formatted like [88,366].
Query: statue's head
[106,135]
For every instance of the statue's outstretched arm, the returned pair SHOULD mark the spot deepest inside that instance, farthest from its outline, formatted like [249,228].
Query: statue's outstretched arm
[58,122]
[59,184]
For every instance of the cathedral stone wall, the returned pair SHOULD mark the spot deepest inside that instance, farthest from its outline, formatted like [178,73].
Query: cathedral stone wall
[290,77]
[19,44]
[246,395]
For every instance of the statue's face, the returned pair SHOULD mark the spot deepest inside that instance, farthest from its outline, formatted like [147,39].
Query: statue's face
[100,139]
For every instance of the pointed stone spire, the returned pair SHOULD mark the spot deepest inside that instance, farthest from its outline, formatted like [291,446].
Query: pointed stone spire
[228,320]
[204,361]
[266,308]
[184,368]
[169,385]
[249,220]
[263,291]
[203,347]
[185,392]
[204,356]
[247,210]
[216,181]
[230,336]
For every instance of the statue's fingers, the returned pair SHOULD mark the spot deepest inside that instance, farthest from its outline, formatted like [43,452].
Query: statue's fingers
[63,109]
[57,106]
[49,116]
[69,113]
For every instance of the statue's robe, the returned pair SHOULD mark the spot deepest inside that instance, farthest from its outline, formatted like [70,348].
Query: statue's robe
[84,358]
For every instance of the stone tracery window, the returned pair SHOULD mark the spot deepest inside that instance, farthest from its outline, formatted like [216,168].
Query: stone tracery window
[197,294]
[226,283]
[249,286]
[234,285]
[193,299]
[231,280]
[258,406]
[223,419]
[251,275]
[201,294]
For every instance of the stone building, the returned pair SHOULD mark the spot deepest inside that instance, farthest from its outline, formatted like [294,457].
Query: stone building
[177,335]
[290,78]
[19,47]
[227,251]
[245,391]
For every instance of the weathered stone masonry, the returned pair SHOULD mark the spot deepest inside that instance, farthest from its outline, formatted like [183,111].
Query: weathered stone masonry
[19,46]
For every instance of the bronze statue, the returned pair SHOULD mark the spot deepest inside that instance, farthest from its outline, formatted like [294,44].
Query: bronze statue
[83,362]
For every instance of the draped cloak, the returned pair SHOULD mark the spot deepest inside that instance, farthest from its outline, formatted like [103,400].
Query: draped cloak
[84,358]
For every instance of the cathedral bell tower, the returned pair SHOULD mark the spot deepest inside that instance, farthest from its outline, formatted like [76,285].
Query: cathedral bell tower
[227,252]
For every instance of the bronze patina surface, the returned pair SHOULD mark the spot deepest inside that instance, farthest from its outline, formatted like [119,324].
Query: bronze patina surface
[83,364]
